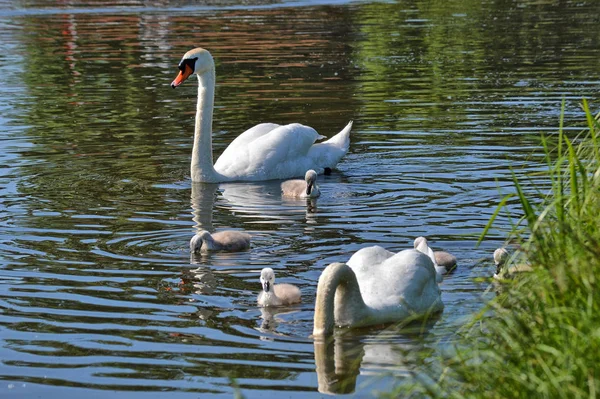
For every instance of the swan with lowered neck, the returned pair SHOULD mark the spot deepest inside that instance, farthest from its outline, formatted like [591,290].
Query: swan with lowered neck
[400,287]
[501,258]
[226,240]
[264,152]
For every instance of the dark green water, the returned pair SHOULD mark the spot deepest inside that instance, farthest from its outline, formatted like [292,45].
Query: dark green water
[98,294]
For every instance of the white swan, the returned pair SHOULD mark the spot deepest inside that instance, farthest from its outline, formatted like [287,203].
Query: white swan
[443,261]
[266,151]
[306,188]
[276,294]
[501,257]
[396,288]
[227,240]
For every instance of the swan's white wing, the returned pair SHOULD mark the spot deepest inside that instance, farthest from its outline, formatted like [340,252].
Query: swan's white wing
[365,261]
[405,281]
[249,136]
[417,281]
[278,153]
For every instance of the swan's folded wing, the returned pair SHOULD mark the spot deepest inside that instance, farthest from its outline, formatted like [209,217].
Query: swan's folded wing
[377,278]
[279,153]
[416,282]
[365,260]
[250,135]
[406,277]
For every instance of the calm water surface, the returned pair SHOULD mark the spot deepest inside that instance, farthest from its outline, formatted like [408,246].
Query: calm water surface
[98,293]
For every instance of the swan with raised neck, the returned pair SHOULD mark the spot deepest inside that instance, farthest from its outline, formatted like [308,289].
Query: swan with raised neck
[306,188]
[501,258]
[276,294]
[263,151]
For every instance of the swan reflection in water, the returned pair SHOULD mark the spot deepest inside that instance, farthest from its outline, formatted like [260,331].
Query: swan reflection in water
[202,279]
[270,321]
[264,199]
[341,358]
[203,201]
[349,353]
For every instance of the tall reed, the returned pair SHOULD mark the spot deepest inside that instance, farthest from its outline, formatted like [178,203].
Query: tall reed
[540,336]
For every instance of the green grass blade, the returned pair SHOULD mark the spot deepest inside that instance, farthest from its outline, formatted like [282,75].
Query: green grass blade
[592,125]
[488,226]
[573,176]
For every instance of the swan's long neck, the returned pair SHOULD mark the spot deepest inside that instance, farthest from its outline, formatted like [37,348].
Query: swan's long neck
[202,168]
[338,298]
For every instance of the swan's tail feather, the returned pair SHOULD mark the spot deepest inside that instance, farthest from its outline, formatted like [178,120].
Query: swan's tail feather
[342,139]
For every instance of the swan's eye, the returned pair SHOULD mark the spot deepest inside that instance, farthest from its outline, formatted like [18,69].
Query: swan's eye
[191,62]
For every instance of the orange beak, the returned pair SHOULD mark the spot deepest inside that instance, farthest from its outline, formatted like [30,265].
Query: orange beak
[182,76]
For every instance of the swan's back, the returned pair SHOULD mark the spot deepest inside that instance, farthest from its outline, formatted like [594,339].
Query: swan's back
[364,258]
[406,278]
[232,240]
[269,151]
[249,136]
[288,293]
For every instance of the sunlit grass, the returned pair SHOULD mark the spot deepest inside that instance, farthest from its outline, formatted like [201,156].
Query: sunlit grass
[540,336]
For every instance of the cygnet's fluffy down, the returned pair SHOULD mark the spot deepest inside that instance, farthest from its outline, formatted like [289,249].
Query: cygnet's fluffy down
[444,261]
[306,188]
[276,294]
[227,240]
[501,256]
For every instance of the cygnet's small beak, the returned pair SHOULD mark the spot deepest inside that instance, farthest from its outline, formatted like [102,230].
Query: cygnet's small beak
[266,286]
[182,76]
[308,188]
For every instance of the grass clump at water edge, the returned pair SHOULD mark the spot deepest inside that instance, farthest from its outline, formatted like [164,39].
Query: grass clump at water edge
[540,336]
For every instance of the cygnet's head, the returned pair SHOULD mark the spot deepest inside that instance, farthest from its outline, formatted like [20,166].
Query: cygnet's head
[420,240]
[198,61]
[267,279]
[198,239]
[500,258]
[310,177]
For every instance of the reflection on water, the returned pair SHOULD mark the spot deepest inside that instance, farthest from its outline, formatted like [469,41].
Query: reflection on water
[341,358]
[265,199]
[338,364]
[203,201]
[98,291]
